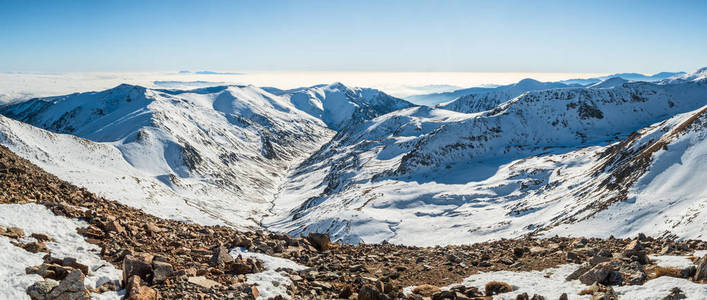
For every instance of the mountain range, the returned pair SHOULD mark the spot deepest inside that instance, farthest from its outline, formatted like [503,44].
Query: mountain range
[618,157]
[527,85]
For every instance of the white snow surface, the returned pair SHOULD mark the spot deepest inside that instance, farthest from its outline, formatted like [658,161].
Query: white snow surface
[427,176]
[609,83]
[34,218]
[542,162]
[212,155]
[673,261]
[270,283]
[552,286]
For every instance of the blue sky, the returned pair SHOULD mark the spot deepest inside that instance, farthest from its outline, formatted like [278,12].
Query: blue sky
[469,36]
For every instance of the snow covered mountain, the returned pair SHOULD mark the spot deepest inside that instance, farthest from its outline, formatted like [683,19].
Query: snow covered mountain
[626,76]
[434,176]
[338,105]
[212,155]
[620,157]
[507,91]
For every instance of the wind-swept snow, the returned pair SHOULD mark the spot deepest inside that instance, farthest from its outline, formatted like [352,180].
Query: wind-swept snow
[551,284]
[271,282]
[34,218]
[212,155]
[534,163]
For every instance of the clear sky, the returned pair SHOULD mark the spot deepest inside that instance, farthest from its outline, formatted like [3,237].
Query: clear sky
[466,36]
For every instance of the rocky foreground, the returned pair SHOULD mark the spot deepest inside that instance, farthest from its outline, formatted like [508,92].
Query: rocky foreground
[167,259]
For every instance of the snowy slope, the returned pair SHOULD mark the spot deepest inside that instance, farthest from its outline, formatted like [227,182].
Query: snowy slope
[505,91]
[33,218]
[609,83]
[338,105]
[213,155]
[526,165]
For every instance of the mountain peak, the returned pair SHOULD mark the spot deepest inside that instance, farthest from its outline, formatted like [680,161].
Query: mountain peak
[528,83]
[609,83]
[336,86]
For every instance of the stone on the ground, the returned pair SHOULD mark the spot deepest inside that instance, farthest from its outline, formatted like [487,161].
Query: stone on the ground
[497,287]
[136,289]
[596,274]
[40,290]
[220,257]
[319,240]
[426,290]
[701,272]
[161,271]
[71,287]
[139,264]
[675,294]
[369,293]
[203,281]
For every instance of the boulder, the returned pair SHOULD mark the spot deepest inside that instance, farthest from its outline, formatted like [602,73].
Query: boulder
[369,293]
[40,290]
[220,257]
[35,247]
[139,264]
[203,281]
[72,262]
[161,271]
[497,287]
[13,233]
[426,290]
[71,287]
[701,272]
[607,294]
[581,270]
[445,295]
[41,237]
[319,240]
[632,248]
[252,291]
[136,289]
[115,226]
[241,241]
[596,274]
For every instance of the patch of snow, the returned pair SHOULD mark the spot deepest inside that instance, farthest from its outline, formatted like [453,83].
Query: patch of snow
[673,261]
[551,283]
[34,218]
[270,283]
[13,261]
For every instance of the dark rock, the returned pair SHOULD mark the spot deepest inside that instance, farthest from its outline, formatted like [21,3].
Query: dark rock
[675,294]
[368,293]
[596,274]
[319,240]
[40,290]
[220,257]
[161,271]
[497,287]
[136,289]
[140,265]
[701,271]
